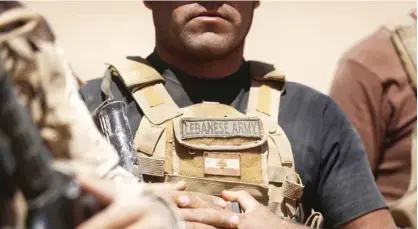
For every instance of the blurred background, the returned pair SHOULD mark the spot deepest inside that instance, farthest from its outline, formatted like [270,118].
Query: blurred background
[302,38]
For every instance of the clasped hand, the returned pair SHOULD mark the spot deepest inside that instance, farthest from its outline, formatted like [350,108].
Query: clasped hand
[199,211]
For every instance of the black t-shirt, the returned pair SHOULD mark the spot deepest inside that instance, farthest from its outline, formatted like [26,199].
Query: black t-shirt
[328,153]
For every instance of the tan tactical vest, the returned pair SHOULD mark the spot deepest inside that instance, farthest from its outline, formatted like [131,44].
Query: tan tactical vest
[404,210]
[214,147]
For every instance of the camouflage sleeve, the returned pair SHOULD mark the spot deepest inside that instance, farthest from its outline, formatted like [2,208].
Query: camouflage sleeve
[48,89]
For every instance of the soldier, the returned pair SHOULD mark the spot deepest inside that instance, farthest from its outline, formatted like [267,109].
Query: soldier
[381,70]
[28,57]
[202,113]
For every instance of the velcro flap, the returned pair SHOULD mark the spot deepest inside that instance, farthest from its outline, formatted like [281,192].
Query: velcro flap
[292,187]
[277,174]
[220,133]
[157,106]
[284,147]
[151,166]
[135,74]
[147,136]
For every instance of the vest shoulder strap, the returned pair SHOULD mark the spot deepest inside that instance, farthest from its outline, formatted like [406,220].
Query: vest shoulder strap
[268,84]
[285,185]
[261,71]
[404,39]
[136,72]
[145,85]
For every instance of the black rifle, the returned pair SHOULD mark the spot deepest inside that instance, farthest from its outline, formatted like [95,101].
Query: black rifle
[55,199]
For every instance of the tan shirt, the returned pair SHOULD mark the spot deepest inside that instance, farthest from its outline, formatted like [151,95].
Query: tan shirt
[372,88]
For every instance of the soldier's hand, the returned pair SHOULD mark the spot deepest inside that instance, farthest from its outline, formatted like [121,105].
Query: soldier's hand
[192,200]
[255,216]
[125,208]
[185,199]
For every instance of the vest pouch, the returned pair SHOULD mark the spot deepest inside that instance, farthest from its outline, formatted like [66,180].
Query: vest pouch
[213,154]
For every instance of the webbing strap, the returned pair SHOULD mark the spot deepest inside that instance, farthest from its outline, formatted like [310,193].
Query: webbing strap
[277,174]
[152,97]
[156,103]
[151,166]
[264,98]
[154,165]
[315,220]
[147,136]
[285,186]
[282,143]
[145,84]
[264,102]
[292,187]
[283,194]
[279,186]
[283,207]
[150,141]
[266,88]
[169,147]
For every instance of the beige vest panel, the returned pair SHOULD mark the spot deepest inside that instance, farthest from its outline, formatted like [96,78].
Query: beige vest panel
[214,147]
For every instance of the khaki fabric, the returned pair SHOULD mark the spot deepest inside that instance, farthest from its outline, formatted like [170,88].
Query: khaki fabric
[405,41]
[136,74]
[47,87]
[384,109]
[258,160]
[404,210]
[147,136]
[285,187]
[158,107]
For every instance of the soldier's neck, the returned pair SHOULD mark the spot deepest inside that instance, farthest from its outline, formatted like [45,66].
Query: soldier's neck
[215,69]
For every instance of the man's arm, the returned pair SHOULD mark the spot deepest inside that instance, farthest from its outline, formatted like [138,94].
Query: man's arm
[347,193]
[256,215]
[378,219]
[359,93]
